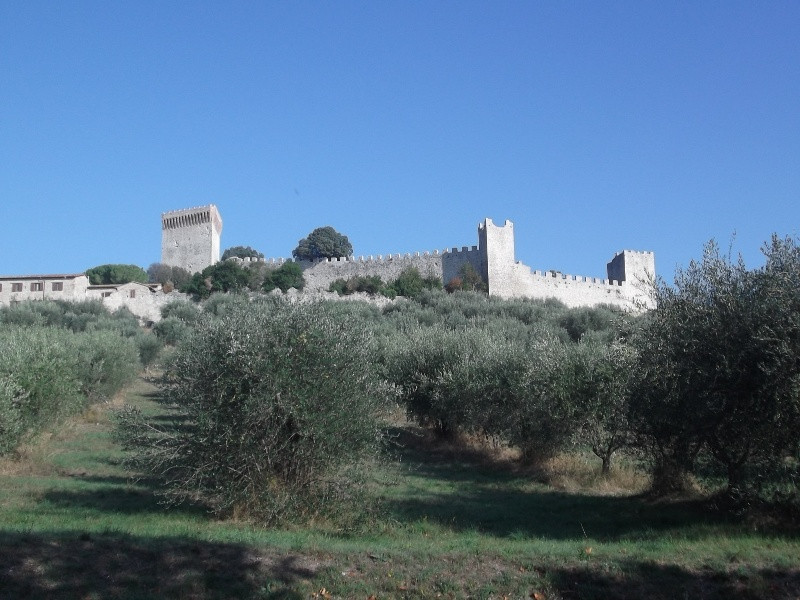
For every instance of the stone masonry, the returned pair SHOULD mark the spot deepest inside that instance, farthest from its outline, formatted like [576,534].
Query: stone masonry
[190,237]
[629,284]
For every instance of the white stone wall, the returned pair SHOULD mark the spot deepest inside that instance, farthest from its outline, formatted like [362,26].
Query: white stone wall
[73,288]
[628,286]
[140,299]
[493,258]
[497,244]
[444,264]
[190,238]
[574,291]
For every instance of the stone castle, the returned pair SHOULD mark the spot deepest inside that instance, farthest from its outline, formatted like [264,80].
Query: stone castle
[191,240]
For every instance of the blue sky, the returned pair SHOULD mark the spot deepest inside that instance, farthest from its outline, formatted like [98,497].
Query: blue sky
[594,126]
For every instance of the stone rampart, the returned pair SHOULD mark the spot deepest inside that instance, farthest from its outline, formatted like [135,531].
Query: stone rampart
[629,285]
[444,264]
[575,291]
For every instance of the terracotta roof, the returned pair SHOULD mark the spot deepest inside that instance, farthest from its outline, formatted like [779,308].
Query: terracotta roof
[62,276]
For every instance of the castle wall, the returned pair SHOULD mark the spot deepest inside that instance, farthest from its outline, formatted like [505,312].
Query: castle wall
[445,265]
[574,291]
[190,238]
[628,285]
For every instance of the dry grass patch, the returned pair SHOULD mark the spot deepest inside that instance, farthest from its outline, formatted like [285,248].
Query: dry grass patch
[30,459]
[579,472]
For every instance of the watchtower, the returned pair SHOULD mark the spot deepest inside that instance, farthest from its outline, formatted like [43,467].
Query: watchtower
[635,267]
[496,244]
[190,237]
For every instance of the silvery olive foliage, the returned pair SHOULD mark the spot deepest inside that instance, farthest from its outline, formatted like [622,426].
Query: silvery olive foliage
[718,372]
[275,409]
[58,357]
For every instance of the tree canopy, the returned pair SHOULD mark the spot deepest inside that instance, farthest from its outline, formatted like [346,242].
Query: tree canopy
[224,276]
[288,275]
[241,252]
[323,242]
[719,368]
[163,274]
[115,274]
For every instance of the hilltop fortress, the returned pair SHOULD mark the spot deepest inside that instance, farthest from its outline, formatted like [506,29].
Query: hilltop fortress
[191,240]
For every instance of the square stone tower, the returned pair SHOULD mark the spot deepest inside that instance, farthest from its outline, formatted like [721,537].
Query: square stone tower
[496,244]
[190,237]
[632,266]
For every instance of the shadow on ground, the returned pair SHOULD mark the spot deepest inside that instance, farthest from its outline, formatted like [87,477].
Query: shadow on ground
[113,494]
[124,566]
[635,580]
[495,498]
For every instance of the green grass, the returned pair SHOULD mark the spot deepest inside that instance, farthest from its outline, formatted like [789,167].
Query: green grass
[73,525]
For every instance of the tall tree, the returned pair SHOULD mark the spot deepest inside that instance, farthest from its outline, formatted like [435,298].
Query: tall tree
[241,252]
[323,242]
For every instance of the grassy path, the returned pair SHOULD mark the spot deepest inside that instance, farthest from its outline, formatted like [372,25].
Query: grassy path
[72,525]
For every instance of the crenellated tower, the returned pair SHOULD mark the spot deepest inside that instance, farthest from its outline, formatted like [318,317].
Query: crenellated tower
[633,267]
[496,244]
[190,238]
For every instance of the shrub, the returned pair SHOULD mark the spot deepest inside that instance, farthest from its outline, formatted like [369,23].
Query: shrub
[371,284]
[42,363]
[410,283]
[276,405]
[47,374]
[105,363]
[224,276]
[149,347]
[181,310]
[467,280]
[288,275]
[12,425]
[171,330]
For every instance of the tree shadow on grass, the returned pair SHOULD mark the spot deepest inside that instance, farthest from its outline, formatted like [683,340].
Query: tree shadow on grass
[493,497]
[113,495]
[125,566]
[635,579]
[508,512]
[130,499]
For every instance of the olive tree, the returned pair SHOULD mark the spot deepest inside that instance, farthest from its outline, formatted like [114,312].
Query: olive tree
[275,405]
[719,368]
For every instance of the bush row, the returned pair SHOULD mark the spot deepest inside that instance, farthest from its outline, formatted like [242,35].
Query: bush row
[47,374]
[57,357]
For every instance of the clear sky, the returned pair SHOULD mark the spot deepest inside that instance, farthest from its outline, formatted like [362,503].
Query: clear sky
[594,126]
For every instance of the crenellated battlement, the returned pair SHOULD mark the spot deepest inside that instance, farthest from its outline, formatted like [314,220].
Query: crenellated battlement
[189,217]
[380,258]
[630,272]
